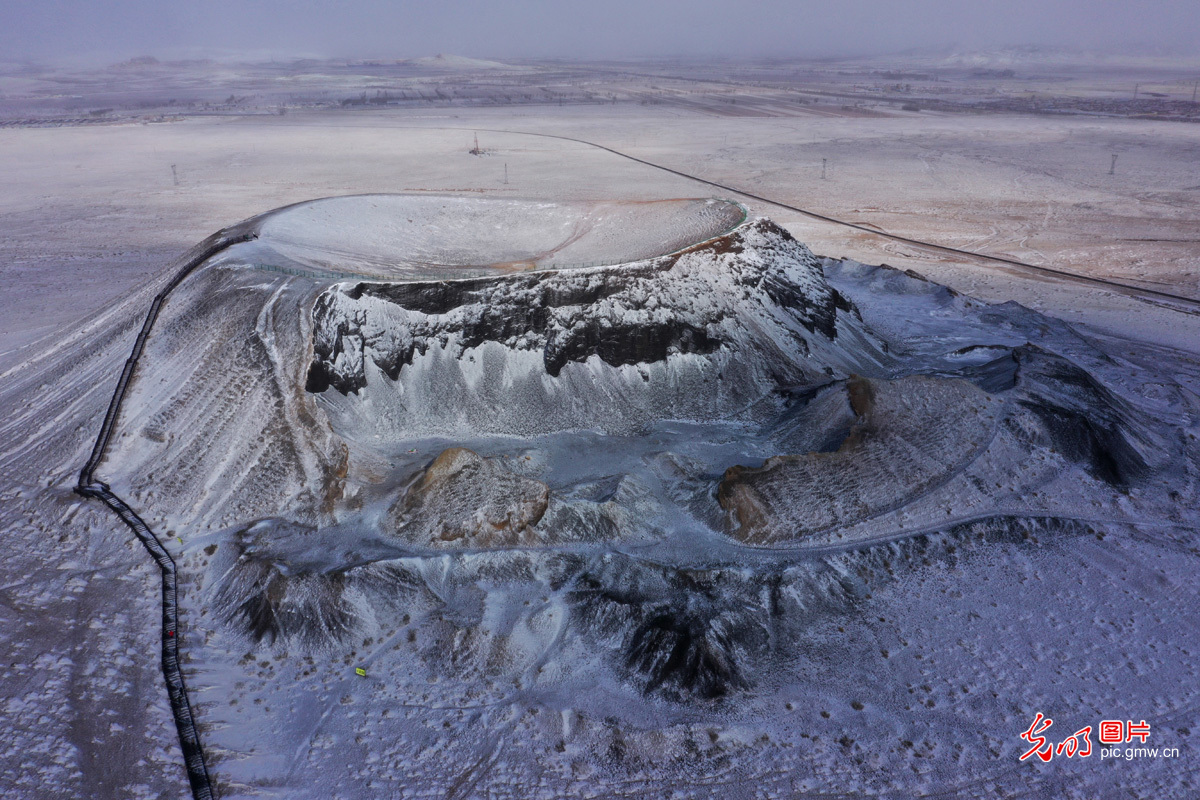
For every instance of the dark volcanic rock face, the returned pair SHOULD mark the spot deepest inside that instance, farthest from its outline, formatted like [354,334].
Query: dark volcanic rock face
[536,316]
[732,319]
[1086,421]
[269,600]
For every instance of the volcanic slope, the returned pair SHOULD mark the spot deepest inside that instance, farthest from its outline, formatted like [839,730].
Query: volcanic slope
[682,520]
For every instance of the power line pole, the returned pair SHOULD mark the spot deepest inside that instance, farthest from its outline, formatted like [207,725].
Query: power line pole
[506,173]
[1113,166]
[1195,85]
[174,175]
[822,169]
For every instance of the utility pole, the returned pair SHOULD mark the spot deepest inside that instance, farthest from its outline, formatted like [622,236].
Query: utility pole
[1113,166]
[1136,86]
[822,169]
[1195,85]
[506,173]
[174,175]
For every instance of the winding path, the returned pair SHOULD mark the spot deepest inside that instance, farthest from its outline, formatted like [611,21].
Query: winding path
[90,486]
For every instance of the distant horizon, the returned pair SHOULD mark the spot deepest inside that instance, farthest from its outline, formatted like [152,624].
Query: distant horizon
[106,31]
[170,56]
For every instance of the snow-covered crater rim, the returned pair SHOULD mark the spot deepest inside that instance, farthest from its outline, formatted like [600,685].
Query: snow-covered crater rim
[431,236]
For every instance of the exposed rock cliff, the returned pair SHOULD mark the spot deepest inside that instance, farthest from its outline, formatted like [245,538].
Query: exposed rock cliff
[710,331]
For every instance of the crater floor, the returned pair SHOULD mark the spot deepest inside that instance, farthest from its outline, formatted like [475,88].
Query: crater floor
[430,236]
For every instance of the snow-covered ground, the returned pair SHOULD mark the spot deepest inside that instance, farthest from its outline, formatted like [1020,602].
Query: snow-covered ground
[446,236]
[902,653]
[101,201]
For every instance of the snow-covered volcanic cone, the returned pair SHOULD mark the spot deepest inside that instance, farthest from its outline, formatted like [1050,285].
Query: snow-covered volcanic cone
[722,514]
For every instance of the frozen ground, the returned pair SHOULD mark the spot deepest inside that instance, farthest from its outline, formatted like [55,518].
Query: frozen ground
[911,668]
[1031,187]
[454,237]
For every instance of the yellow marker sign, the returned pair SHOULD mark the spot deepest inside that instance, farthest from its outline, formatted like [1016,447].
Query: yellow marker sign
[360,672]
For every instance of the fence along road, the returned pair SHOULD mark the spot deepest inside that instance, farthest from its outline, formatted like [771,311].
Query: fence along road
[90,486]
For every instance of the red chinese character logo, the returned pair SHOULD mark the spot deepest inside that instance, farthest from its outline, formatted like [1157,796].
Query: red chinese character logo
[1140,730]
[1072,745]
[1044,750]
[1112,731]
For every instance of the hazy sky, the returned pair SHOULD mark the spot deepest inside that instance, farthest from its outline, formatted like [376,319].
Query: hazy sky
[112,29]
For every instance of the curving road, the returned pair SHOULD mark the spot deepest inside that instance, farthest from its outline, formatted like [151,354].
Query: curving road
[1137,292]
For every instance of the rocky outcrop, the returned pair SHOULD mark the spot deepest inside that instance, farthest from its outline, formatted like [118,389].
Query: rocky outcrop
[464,500]
[911,434]
[704,332]
[934,445]
[269,600]
[1086,421]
